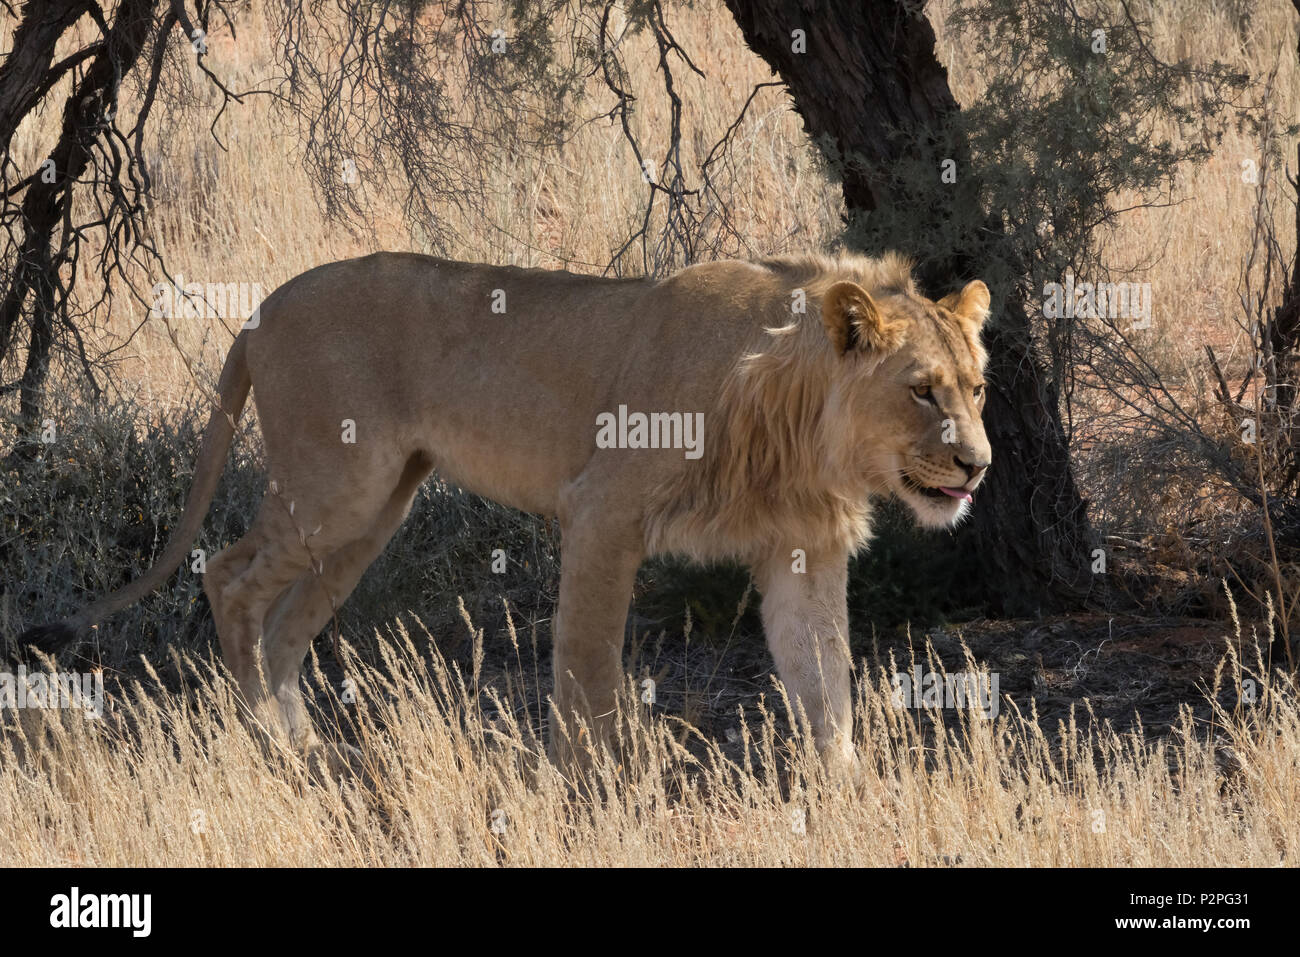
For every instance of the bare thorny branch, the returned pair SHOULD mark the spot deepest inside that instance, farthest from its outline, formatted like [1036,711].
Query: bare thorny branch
[89,195]
[697,222]
[369,82]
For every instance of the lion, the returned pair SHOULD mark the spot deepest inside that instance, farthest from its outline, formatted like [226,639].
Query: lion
[751,411]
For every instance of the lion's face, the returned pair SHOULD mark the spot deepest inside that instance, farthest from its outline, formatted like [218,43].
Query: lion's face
[914,388]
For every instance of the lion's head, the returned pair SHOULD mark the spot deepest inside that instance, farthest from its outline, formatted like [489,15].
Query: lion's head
[909,386]
[879,395]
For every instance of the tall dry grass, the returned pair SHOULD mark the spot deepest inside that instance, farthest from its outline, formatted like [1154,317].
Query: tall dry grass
[451,774]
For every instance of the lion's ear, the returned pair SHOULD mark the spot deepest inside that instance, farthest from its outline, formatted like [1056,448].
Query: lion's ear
[971,304]
[854,321]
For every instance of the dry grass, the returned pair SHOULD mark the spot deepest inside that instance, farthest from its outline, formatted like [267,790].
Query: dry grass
[449,776]
[172,778]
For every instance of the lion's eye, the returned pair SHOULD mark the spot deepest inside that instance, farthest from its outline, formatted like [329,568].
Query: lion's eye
[922,392]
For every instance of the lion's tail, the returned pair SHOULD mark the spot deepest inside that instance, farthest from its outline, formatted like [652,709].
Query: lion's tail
[233,392]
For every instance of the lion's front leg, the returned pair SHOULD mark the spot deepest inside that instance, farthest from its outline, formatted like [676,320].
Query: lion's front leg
[806,619]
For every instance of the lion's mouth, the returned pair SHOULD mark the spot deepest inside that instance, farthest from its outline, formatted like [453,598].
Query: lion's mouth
[936,492]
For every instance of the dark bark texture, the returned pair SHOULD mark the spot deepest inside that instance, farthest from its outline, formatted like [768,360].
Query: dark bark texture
[24,78]
[873,94]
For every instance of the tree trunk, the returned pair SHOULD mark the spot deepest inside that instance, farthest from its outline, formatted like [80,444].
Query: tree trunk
[45,205]
[875,97]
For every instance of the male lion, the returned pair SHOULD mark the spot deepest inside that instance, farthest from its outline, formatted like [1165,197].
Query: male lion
[502,379]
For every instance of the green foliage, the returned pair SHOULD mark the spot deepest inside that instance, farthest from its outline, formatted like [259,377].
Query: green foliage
[1078,110]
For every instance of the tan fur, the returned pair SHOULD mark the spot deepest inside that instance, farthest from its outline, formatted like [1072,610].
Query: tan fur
[807,416]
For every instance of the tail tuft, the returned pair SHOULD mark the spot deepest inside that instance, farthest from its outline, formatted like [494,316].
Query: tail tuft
[52,639]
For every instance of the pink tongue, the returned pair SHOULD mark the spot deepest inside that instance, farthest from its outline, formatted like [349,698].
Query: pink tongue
[957,493]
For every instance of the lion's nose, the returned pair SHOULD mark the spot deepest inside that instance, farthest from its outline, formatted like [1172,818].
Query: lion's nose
[972,469]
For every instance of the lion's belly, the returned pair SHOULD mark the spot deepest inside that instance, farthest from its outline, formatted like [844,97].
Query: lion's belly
[516,450]
[517,477]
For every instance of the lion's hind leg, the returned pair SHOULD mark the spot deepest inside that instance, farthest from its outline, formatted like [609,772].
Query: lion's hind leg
[222,568]
[297,528]
[305,607]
